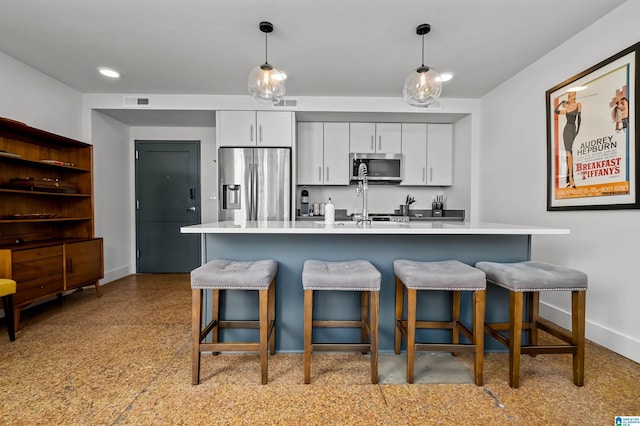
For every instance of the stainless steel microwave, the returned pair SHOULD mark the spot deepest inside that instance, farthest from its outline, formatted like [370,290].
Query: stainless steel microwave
[381,168]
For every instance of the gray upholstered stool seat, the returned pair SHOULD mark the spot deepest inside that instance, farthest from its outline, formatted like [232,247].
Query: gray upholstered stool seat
[221,274]
[354,275]
[531,278]
[448,275]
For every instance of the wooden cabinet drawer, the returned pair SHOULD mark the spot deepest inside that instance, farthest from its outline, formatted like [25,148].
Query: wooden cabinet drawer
[20,256]
[26,291]
[27,271]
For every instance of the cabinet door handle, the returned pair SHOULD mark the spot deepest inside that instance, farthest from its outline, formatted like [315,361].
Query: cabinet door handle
[424,174]
[319,173]
[327,179]
[380,142]
[70,266]
[430,174]
[260,132]
[373,146]
[251,133]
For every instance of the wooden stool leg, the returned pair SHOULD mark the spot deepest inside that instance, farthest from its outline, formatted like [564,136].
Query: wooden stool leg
[308,329]
[272,317]
[455,320]
[264,335]
[479,305]
[534,308]
[373,326]
[515,337]
[215,316]
[578,313]
[411,332]
[364,316]
[399,303]
[7,305]
[196,327]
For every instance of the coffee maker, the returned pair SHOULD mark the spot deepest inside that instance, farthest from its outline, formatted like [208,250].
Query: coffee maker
[304,201]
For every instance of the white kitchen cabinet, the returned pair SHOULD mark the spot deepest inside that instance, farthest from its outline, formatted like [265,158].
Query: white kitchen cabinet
[427,154]
[254,128]
[323,153]
[310,153]
[375,138]
[440,154]
[336,154]
[414,150]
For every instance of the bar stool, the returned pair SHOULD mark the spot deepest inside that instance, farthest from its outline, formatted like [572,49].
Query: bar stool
[533,277]
[7,290]
[354,275]
[220,274]
[448,275]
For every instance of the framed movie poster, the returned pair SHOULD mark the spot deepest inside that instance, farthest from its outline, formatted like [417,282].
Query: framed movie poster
[592,145]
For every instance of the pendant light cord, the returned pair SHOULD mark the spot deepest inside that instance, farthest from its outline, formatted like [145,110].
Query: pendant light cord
[266,47]
[423,50]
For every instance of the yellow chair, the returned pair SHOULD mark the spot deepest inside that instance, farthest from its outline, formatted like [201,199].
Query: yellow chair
[7,290]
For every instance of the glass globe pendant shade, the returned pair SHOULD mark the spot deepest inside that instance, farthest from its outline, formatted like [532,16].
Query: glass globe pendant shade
[422,87]
[266,84]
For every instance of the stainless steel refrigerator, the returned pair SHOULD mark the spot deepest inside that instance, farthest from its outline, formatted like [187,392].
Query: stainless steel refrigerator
[254,184]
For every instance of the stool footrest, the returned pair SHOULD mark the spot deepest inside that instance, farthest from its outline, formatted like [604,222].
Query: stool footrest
[337,324]
[230,346]
[341,347]
[240,324]
[554,330]
[548,349]
[493,331]
[444,347]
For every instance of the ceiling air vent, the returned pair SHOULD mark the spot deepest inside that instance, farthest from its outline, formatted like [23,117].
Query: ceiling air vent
[286,103]
[132,101]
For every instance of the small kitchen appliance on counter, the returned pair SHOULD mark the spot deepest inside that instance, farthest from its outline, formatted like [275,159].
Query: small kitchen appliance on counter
[304,202]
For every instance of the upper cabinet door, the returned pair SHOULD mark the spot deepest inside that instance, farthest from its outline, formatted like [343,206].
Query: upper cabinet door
[336,153]
[273,128]
[310,153]
[414,150]
[388,138]
[254,128]
[440,154]
[236,128]
[362,137]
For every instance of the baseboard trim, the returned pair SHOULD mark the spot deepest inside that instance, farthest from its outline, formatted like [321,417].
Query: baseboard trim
[116,274]
[626,346]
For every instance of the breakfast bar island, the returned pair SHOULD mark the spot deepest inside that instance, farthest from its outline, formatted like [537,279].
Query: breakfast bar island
[290,243]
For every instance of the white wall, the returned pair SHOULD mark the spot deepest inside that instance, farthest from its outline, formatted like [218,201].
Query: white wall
[38,100]
[604,244]
[113,193]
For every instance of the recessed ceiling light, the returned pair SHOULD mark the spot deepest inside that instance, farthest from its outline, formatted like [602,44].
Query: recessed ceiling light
[445,76]
[108,72]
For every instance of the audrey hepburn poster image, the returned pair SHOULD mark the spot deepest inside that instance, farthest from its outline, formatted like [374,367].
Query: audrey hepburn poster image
[592,150]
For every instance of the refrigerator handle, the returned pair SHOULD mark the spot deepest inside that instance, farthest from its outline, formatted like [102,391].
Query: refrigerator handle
[252,192]
[256,190]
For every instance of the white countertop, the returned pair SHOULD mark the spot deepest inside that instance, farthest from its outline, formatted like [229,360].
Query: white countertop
[375,228]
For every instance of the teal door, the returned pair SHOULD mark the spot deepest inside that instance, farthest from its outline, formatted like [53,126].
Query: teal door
[167,198]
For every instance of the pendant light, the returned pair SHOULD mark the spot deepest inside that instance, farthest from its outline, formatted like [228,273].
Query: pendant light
[266,83]
[424,85]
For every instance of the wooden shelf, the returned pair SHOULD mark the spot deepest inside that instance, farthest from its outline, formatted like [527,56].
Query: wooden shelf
[47,193]
[38,163]
[50,219]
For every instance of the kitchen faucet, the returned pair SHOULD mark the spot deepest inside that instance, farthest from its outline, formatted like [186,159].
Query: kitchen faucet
[362,191]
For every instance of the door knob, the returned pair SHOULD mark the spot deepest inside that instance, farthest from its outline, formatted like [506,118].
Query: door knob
[191,209]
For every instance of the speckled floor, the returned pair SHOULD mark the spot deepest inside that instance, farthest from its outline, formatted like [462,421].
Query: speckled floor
[125,359]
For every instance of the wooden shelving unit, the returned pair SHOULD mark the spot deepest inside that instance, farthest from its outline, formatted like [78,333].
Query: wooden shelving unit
[46,213]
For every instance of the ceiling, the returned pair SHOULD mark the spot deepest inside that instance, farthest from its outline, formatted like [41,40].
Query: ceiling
[326,47]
